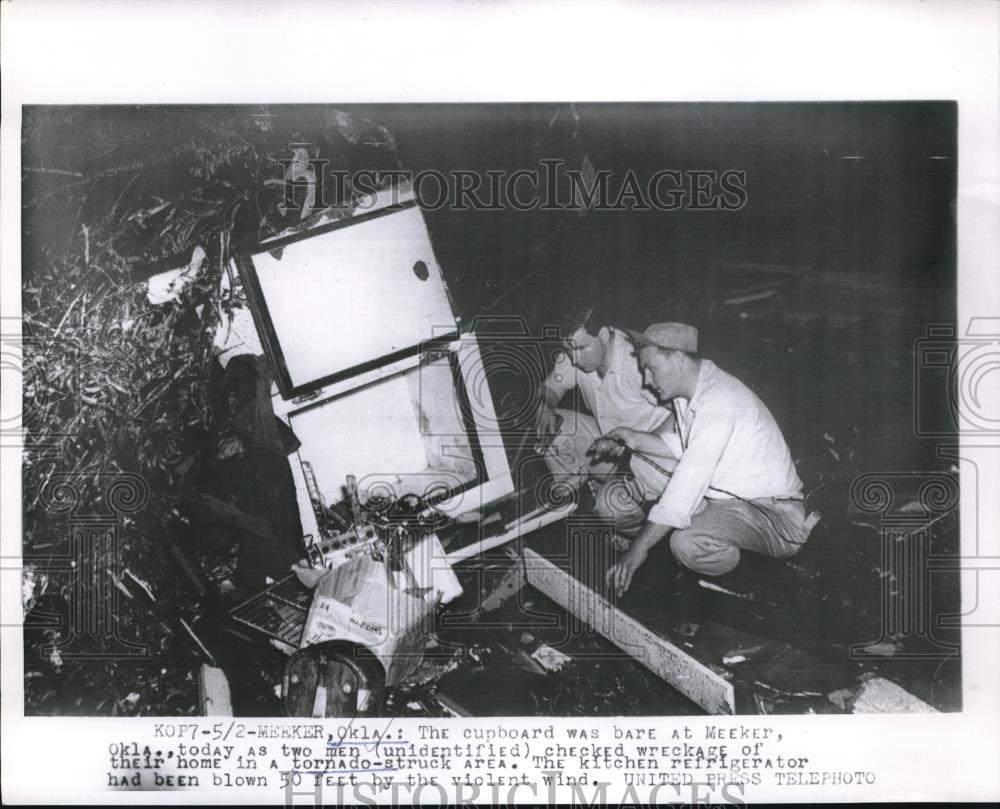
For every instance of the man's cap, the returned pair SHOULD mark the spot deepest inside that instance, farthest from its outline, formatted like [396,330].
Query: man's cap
[675,336]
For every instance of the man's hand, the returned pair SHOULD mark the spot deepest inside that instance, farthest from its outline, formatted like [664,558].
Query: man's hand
[605,448]
[625,436]
[620,574]
[614,443]
[547,421]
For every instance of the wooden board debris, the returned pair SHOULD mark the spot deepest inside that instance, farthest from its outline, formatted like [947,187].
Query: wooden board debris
[879,695]
[689,676]
[509,586]
[213,692]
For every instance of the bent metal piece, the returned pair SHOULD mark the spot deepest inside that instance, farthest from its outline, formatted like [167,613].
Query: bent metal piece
[532,522]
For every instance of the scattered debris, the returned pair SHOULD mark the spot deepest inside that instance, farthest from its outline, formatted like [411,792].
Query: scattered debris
[144,585]
[119,585]
[34,583]
[478,654]
[843,698]
[197,640]
[430,670]
[715,587]
[884,648]
[309,576]
[722,671]
[743,655]
[450,707]
[879,695]
[508,586]
[550,659]
[300,170]
[527,663]
[169,286]
[784,693]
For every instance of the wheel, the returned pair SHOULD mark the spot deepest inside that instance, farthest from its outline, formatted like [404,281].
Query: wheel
[333,679]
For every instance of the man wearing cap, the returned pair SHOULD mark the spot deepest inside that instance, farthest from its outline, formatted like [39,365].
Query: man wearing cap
[599,361]
[734,486]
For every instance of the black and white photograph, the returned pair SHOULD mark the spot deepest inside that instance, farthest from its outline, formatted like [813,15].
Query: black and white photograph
[496,439]
[338,410]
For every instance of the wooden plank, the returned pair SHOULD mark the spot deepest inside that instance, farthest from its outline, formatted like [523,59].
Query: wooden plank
[682,671]
[213,692]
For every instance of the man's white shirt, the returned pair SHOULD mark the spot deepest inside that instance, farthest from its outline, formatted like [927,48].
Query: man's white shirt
[619,398]
[729,444]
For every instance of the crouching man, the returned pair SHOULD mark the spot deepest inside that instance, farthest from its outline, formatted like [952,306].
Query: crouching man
[734,486]
[599,361]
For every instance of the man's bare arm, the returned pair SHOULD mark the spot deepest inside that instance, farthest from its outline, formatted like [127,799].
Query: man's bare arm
[554,387]
[646,443]
[619,575]
[550,396]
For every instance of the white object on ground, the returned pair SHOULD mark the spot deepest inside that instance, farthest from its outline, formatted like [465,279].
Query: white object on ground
[709,586]
[550,659]
[143,584]
[168,286]
[236,333]
[879,695]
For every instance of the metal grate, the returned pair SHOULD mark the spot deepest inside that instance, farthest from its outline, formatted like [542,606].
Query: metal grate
[279,611]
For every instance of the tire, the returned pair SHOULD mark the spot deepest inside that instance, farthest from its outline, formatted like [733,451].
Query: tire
[333,679]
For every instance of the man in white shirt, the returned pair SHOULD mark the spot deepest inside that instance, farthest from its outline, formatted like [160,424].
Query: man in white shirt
[599,361]
[733,485]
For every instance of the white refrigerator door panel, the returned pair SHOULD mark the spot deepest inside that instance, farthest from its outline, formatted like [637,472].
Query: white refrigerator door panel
[354,295]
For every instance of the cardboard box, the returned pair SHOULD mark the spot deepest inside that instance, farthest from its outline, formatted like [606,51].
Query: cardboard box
[362,602]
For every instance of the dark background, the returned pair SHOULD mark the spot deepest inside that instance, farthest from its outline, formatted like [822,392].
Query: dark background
[816,294]
[849,228]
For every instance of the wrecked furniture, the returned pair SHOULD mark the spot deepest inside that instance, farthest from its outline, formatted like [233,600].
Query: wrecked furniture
[356,615]
[396,434]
